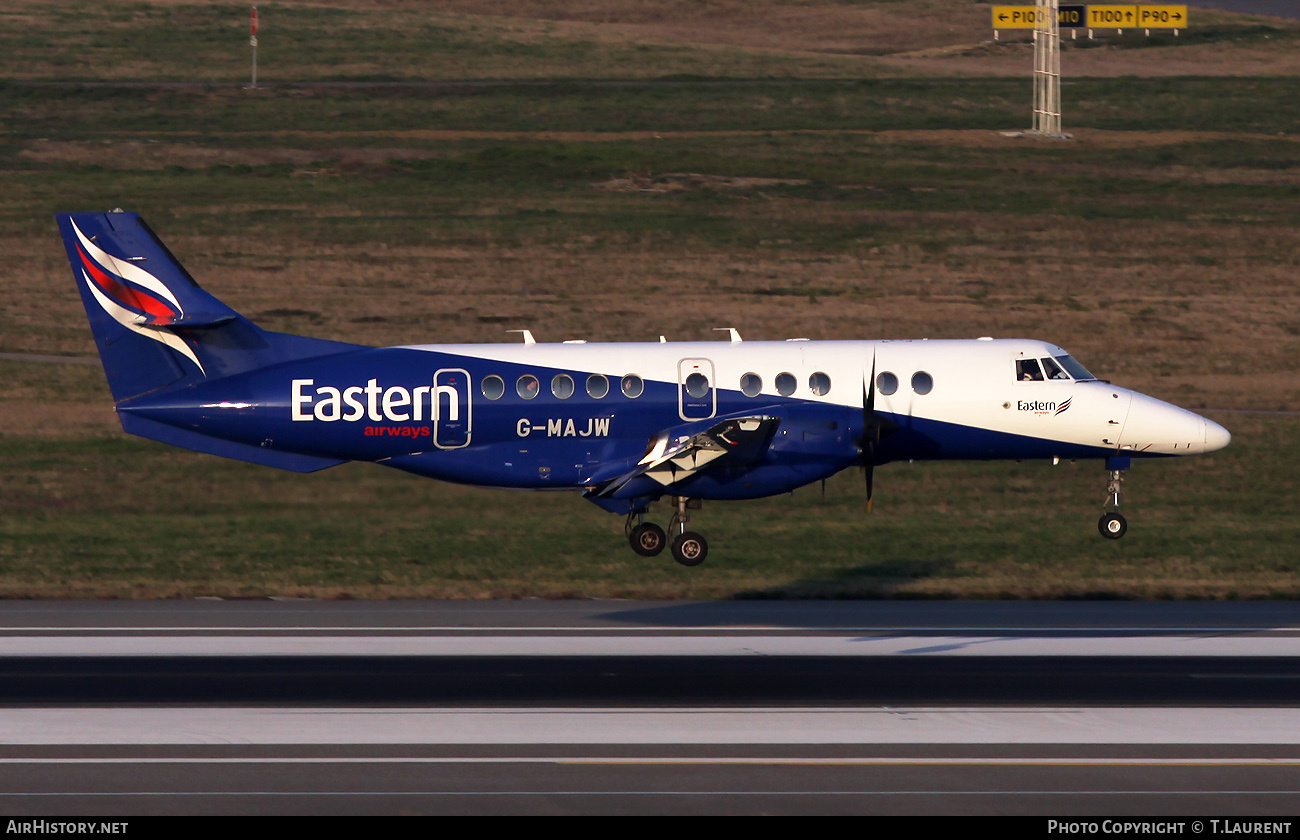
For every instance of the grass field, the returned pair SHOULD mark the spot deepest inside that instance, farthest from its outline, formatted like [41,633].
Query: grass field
[663,168]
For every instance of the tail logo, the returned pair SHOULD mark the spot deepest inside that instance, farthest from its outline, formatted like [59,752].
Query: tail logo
[132,296]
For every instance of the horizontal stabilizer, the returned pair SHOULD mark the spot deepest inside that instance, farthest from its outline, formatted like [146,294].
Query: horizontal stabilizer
[163,433]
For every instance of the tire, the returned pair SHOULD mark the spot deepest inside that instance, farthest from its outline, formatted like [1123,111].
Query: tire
[647,539]
[690,549]
[1112,526]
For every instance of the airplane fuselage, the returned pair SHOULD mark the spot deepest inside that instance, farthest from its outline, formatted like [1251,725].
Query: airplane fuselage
[571,415]
[626,424]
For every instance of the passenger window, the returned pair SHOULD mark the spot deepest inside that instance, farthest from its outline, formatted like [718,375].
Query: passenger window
[527,386]
[751,384]
[632,386]
[786,383]
[922,382]
[494,387]
[887,383]
[597,386]
[820,384]
[1027,370]
[697,385]
[562,385]
[1053,370]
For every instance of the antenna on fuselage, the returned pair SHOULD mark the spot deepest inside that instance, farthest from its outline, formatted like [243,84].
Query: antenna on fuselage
[735,335]
[527,334]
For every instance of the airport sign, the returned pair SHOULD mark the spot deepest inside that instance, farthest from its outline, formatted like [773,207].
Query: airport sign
[1094,17]
[1162,17]
[1014,17]
[1112,17]
[1023,17]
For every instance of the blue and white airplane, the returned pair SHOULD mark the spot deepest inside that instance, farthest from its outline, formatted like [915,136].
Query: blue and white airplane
[624,424]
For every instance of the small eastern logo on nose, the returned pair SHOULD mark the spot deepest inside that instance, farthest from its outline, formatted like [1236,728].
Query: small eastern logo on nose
[1063,406]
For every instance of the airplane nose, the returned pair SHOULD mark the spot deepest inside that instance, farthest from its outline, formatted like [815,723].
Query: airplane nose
[1216,437]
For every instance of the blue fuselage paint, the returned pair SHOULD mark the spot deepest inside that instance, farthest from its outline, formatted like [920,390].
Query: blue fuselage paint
[425,412]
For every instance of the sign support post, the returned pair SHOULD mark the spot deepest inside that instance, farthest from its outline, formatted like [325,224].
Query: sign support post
[1047,69]
[252,41]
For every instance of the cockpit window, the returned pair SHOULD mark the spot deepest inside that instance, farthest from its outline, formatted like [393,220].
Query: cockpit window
[1027,370]
[1053,370]
[1073,368]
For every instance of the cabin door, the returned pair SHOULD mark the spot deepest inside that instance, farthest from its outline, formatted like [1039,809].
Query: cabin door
[697,398]
[451,410]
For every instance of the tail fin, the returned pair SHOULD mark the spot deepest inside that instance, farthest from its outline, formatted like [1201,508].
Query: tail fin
[158,331]
[154,326]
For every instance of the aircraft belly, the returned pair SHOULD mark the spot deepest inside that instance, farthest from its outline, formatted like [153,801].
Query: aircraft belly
[920,438]
[759,482]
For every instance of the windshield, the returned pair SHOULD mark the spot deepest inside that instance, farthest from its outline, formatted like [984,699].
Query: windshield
[1053,370]
[1072,367]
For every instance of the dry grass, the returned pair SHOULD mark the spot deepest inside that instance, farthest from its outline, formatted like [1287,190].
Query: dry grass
[1189,294]
[917,37]
[520,39]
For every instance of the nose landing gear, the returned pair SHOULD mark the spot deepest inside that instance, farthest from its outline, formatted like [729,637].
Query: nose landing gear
[1112,525]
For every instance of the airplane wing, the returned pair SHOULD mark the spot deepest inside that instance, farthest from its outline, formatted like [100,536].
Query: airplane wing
[673,457]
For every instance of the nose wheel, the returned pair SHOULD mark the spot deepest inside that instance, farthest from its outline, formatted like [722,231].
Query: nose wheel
[1112,525]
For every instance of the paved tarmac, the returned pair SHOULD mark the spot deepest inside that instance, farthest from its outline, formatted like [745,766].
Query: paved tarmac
[527,707]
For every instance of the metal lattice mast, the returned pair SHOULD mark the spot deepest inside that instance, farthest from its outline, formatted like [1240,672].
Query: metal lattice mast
[1047,68]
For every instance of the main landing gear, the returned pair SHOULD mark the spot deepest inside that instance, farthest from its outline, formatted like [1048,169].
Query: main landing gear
[1112,525]
[648,539]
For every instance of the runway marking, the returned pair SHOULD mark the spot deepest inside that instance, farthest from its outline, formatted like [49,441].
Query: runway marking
[41,358]
[668,761]
[1245,676]
[80,728]
[295,642]
[558,792]
[1055,631]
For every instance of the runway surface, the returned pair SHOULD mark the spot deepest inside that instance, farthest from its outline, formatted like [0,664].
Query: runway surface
[292,707]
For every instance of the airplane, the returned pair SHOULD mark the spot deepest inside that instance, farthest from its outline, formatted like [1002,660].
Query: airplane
[625,424]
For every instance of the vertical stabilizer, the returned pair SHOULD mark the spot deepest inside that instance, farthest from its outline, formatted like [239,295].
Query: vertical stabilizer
[154,326]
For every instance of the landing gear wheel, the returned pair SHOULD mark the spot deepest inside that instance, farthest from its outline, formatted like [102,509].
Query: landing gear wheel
[690,549]
[647,539]
[1112,526]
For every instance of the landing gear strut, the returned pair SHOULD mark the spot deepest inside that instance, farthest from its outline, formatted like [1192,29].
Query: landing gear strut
[689,548]
[1112,525]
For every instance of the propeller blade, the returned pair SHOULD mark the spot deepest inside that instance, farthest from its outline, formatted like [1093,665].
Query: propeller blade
[870,431]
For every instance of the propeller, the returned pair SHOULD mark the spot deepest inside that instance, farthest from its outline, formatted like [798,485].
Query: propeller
[870,431]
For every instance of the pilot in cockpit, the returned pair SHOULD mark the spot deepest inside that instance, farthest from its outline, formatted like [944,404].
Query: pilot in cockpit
[1027,370]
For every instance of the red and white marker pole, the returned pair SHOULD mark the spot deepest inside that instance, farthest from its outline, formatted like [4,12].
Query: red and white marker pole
[252,41]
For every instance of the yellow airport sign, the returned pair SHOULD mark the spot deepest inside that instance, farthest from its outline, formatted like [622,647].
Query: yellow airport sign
[1112,17]
[1095,17]
[1014,17]
[1162,17]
